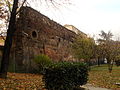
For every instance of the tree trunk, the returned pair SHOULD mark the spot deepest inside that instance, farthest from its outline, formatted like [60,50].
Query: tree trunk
[8,41]
[110,65]
[98,61]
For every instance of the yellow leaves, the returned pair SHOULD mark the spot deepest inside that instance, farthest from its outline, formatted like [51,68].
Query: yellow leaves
[102,78]
[18,81]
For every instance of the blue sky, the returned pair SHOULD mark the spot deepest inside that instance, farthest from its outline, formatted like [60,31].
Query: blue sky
[109,6]
[90,16]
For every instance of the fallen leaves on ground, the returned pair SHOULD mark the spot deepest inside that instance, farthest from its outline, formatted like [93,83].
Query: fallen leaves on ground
[100,77]
[20,81]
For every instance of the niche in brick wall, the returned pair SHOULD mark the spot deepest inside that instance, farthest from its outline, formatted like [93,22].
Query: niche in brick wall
[34,34]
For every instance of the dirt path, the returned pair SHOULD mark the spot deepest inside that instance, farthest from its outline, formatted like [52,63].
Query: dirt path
[90,87]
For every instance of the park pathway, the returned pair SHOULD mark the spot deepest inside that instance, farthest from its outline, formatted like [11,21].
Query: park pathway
[90,87]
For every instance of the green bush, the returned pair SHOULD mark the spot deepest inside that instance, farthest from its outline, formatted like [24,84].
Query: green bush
[117,62]
[65,76]
[42,62]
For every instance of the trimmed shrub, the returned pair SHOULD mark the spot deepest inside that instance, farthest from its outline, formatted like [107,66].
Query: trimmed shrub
[117,62]
[42,62]
[65,76]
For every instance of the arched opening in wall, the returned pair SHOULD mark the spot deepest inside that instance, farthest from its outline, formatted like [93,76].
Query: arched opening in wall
[34,34]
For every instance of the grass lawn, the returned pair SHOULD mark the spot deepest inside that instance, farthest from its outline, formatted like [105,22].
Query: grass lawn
[100,77]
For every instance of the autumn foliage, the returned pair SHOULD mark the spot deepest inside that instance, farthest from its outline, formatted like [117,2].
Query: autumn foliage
[18,81]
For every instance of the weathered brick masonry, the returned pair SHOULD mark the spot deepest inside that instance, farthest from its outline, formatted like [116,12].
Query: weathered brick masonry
[38,34]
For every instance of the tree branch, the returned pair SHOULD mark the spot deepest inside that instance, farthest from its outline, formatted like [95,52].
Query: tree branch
[21,6]
[2,36]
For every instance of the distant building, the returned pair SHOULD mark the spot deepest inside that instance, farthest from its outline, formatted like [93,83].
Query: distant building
[74,29]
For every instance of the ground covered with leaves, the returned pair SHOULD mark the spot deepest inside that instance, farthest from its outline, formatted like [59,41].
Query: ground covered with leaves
[100,77]
[18,81]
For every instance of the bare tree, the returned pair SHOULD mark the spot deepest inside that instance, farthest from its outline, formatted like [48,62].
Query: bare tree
[10,32]
[109,48]
[8,41]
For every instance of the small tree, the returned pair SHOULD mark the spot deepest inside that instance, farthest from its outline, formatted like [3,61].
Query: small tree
[110,49]
[42,62]
[117,60]
[117,53]
[83,48]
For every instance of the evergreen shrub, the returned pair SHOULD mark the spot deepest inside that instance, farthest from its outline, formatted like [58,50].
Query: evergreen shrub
[43,62]
[117,62]
[65,76]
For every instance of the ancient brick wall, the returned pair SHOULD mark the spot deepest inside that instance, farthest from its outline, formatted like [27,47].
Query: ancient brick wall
[38,34]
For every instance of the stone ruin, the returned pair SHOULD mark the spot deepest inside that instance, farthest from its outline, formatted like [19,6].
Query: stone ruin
[37,34]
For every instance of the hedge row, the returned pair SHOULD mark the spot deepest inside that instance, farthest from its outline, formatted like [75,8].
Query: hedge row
[65,76]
